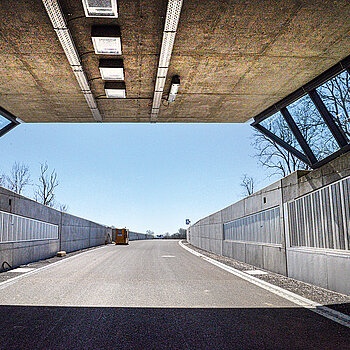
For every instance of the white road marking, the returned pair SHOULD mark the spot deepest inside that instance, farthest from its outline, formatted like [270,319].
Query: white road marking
[22,269]
[168,256]
[320,309]
[256,272]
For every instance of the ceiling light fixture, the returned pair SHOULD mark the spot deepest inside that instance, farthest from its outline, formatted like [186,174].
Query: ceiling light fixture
[115,90]
[111,69]
[56,16]
[174,88]
[106,40]
[169,34]
[100,8]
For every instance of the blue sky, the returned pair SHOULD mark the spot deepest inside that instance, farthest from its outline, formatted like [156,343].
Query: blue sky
[142,176]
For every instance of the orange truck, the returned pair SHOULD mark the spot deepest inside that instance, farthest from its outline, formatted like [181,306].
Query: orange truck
[120,235]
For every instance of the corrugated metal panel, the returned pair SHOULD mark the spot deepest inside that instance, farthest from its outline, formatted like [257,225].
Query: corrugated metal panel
[321,218]
[15,228]
[338,225]
[346,202]
[262,227]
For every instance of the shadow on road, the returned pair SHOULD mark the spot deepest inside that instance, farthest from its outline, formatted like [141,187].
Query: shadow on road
[51,327]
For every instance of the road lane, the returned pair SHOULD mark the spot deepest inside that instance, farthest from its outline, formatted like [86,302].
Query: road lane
[143,274]
[153,294]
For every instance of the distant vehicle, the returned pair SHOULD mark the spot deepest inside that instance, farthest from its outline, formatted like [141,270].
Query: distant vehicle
[120,235]
[159,236]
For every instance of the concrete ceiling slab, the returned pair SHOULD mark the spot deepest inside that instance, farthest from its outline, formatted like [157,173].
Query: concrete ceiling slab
[235,58]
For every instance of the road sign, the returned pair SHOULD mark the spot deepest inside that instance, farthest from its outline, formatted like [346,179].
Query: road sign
[188,221]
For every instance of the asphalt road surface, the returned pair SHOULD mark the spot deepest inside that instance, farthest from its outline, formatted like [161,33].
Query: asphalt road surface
[153,295]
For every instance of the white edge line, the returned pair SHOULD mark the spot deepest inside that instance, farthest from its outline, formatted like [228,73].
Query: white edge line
[313,306]
[26,274]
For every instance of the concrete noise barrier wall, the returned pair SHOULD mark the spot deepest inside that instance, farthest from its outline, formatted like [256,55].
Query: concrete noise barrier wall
[299,227]
[136,236]
[36,236]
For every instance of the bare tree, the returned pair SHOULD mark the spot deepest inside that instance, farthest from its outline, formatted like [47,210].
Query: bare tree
[248,184]
[19,178]
[182,232]
[63,207]
[336,95]
[45,189]
[275,158]
[2,180]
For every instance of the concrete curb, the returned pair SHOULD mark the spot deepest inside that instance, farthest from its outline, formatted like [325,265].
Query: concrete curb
[320,309]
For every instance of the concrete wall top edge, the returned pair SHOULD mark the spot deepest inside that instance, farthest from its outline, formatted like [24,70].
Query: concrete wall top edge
[301,183]
[246,206]
[66,217]
[297,184]
[9,193]
[29,208]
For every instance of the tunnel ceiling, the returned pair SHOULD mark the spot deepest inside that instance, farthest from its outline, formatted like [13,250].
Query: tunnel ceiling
[234,58]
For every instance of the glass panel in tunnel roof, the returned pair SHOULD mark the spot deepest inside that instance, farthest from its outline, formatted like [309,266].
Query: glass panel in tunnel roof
[279,127]
[313,127]
[3,122]
[335,94]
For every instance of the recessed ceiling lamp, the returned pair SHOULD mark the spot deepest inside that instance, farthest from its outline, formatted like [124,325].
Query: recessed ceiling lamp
[100,8]
[106,40]
[115,90]
[175,84]
[111,69]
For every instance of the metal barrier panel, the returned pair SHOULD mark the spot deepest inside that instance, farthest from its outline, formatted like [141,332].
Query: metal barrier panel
[262,227]
[321,219]
[15,228]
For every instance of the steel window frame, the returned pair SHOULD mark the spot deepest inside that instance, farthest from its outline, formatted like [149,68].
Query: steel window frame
[313,84]
[310,90]
[283,144]
[336,131]
[298,135]
[13,121]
